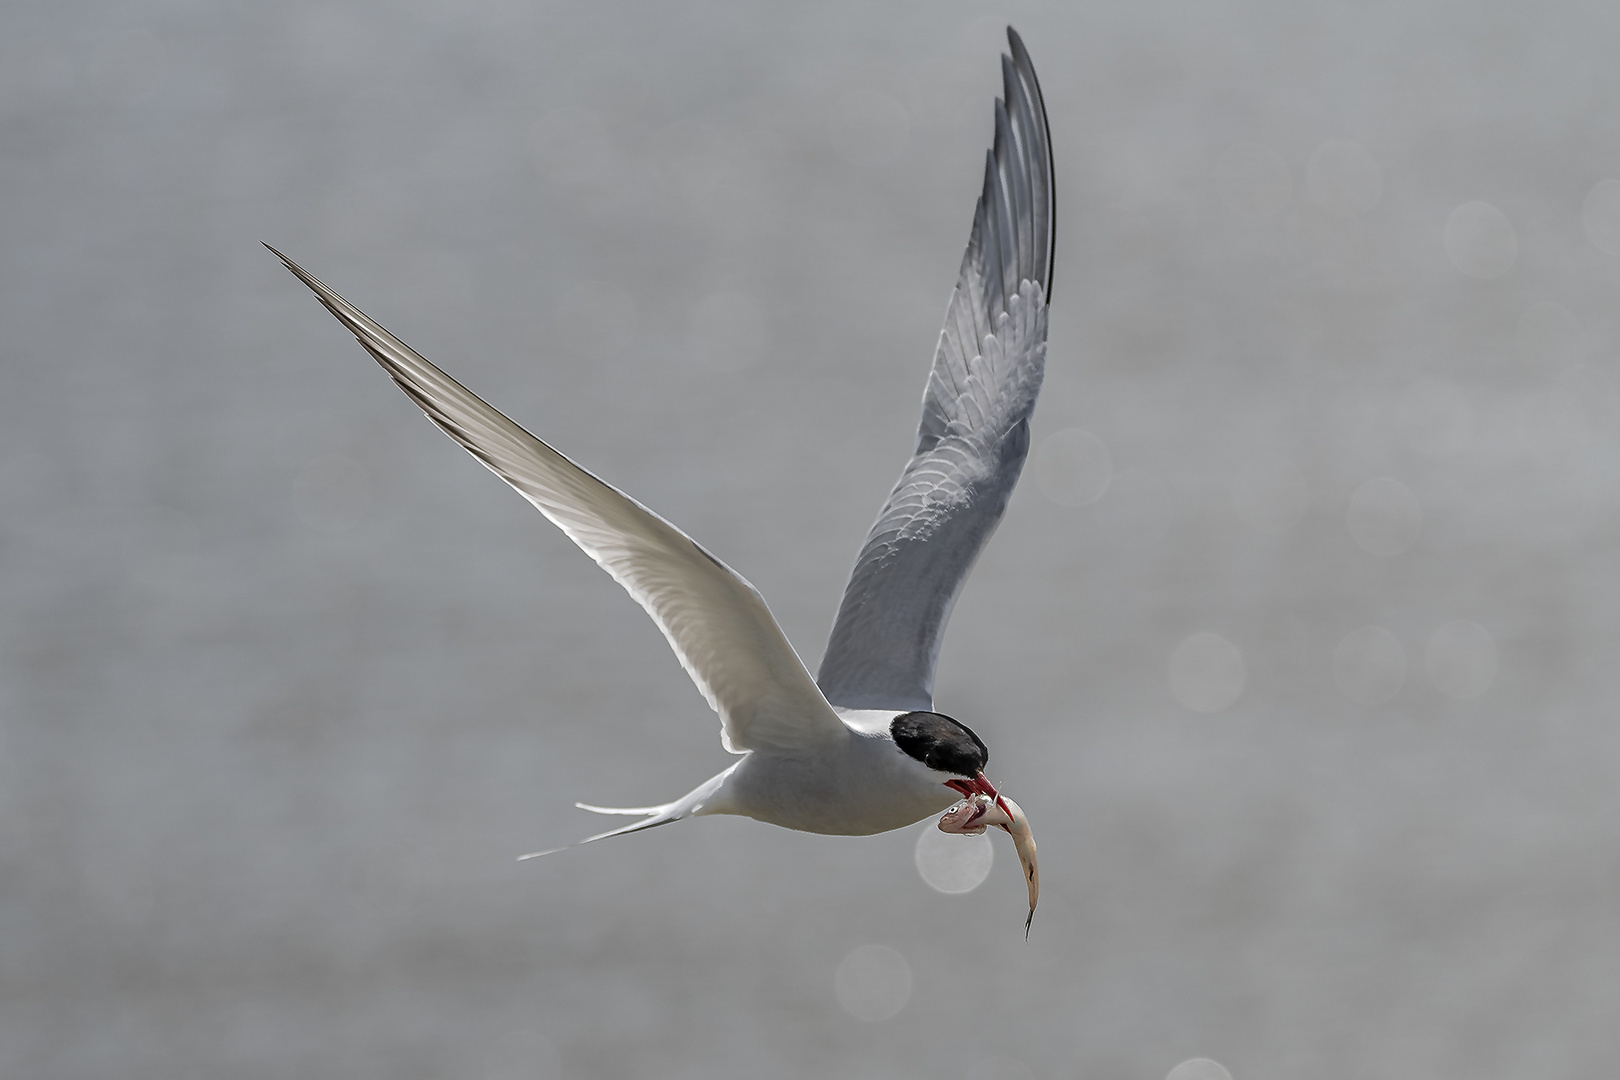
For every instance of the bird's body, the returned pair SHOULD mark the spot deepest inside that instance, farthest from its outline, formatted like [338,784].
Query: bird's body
[859,784]
[859,749]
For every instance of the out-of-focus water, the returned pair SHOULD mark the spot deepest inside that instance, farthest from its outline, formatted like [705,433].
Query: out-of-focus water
[1297,644]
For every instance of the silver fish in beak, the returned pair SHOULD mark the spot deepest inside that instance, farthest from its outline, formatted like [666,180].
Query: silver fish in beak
[978,812]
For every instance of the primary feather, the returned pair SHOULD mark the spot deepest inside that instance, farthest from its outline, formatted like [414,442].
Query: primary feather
[716,622]
[974,433]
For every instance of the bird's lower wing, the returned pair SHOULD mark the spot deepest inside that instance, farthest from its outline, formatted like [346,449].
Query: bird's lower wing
[716,622]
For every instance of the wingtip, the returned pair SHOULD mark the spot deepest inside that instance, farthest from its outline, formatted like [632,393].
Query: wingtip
[1021,60]
[332,300]
[1020,54]
[298,271]
[538,854]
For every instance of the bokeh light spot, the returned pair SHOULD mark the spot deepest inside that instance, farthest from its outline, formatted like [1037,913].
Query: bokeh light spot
[1343,177]
[1207,673]
[1073,467]
[1253,180]
[1600,216]
[1480,240]
[1199,1069]
[873,982]
[1269,495]
[1369,665]
[1461,659]
[1384,516]
[953,863]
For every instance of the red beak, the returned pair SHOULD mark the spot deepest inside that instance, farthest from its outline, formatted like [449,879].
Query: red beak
[978,786]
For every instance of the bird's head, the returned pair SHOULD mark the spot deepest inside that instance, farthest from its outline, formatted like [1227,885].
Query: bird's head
[950,747]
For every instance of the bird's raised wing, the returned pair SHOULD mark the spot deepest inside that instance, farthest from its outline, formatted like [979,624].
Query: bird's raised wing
[974,433]
[716,622]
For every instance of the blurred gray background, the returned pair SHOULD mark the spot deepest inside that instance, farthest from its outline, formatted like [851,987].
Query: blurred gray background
[1298,643]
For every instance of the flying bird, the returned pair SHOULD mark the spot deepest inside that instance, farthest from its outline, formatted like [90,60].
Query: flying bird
[859,749]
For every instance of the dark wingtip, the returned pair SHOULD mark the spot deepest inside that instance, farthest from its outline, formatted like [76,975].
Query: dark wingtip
[1020,54]
[1021,59]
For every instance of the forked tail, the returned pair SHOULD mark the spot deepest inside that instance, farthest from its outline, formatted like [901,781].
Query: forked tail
[696,801]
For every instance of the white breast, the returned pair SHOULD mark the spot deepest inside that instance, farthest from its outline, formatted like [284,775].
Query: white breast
[864,784]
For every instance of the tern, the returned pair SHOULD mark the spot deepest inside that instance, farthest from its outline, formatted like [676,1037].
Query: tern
[859,749]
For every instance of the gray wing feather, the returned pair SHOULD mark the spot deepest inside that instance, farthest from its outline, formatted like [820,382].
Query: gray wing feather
[974,432]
